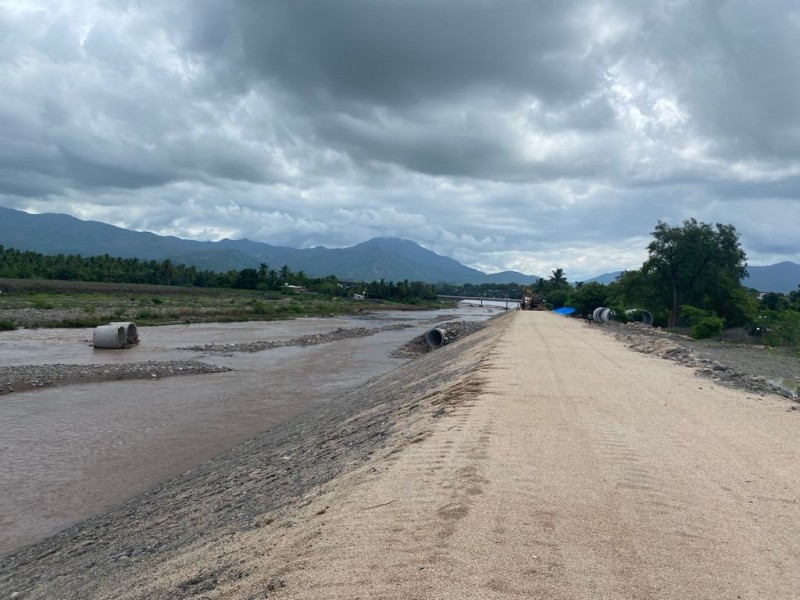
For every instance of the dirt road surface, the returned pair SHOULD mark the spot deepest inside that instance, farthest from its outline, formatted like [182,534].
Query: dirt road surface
[581,471]
[559,464]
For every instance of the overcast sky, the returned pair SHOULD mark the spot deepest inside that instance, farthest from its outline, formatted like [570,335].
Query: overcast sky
[521,135]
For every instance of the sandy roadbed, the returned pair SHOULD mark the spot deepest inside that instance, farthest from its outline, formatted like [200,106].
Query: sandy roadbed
[538,457]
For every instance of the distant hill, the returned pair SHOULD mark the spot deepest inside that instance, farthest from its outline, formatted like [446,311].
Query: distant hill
[510,277]
[605,278]
[781,277]
[63,234]
[380,258]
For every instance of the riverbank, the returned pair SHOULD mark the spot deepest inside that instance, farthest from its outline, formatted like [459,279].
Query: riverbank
[256,485]
[29,377]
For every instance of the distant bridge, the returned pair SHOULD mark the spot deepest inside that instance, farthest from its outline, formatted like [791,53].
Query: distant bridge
[508,301]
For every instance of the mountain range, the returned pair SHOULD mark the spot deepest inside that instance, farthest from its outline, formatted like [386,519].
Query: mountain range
[391,259]
[380,258]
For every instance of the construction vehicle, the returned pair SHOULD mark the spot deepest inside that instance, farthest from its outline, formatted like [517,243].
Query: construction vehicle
[531,300]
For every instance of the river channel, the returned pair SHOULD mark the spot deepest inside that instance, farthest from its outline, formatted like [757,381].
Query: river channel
[69,452]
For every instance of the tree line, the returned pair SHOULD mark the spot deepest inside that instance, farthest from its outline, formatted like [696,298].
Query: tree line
[691,280]
[20,264]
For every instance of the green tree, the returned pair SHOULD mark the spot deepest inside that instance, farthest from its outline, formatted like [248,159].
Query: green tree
[696,264]
[558,281]
[589,296]
[540,285]
[557,298]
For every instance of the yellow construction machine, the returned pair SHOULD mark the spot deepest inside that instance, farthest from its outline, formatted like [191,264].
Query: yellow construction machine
[531,300]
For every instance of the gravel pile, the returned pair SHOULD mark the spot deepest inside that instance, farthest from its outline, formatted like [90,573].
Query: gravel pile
[34,317]
[28,377]
[306,340]
[455,331]
[690,353]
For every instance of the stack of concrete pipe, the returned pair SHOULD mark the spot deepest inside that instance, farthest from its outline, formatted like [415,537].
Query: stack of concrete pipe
[115,335]
[604,315]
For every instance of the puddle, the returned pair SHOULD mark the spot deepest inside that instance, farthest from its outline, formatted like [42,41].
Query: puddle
[791,386]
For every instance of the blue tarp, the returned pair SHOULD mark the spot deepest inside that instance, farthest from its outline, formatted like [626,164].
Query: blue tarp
[565,310]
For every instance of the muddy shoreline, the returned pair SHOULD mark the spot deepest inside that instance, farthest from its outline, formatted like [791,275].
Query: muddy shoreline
[29,377]
[243,489]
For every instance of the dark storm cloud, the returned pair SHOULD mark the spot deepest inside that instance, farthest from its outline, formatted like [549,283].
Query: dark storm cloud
[512,134]
[403,53]
[441,88]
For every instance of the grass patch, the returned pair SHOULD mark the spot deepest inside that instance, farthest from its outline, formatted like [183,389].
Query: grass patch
[42,303]
[88,304]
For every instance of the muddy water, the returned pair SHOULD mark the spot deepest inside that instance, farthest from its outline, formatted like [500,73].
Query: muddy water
[69,452]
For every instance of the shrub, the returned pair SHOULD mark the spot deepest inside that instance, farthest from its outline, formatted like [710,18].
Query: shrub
[783,329]
[41,303]
[260,308]
[690,315]
[6,325]
[736,335]
[557,298]
[707,327]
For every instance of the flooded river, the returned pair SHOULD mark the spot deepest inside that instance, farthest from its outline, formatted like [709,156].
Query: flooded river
[69,452]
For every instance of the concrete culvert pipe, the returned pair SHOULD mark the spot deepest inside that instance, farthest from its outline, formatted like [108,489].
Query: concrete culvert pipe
[603,314]
[436,337]
[109,336]
[639,314]
[131,333]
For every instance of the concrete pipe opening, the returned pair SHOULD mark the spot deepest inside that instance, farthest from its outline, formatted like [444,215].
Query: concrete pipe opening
[436,337]
[603,314]
[608,315]
[641,315]
[109,336]
[131,333]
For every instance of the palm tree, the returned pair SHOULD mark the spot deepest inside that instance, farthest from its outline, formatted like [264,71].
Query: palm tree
[263,270]
[558,280]
[285,272]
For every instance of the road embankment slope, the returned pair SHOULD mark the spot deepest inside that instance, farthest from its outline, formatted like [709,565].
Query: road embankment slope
[537,458]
